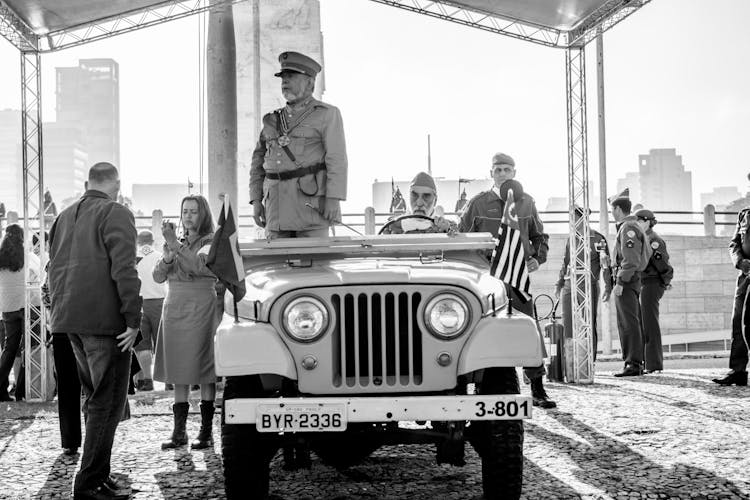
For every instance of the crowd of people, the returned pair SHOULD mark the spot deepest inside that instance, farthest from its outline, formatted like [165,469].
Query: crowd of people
[122,311]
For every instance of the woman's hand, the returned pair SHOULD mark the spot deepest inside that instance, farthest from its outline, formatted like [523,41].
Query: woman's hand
[170,237]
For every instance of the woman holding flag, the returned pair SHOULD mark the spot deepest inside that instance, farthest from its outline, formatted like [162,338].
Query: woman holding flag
[184,350]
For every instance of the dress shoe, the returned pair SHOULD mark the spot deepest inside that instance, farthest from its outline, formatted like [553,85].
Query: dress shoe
[116,487]
[630,371]
[647,372]
[539,395]
[102,492]
[5,397]
[73,450]
[733,377]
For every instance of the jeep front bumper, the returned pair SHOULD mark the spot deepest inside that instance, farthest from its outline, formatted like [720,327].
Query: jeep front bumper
[325,414]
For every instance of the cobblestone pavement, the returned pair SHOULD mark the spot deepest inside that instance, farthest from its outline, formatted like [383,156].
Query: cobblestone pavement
[672,435]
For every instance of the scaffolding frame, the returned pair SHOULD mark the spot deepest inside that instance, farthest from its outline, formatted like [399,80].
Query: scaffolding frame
[573,41]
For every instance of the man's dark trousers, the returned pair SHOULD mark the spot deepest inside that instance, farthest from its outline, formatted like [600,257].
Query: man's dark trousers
[651,294]
[527,308]
[738,355]
[629,323]
[68,391]
[103,370]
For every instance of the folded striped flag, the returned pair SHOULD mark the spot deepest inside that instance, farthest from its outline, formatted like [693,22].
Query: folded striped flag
[224,258]
[508,262]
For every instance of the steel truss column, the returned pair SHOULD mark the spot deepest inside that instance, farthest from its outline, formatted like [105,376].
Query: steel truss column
[33,221]
[578,194]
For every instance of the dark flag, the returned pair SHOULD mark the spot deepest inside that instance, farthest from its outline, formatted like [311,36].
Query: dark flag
[508,258]
[224,257]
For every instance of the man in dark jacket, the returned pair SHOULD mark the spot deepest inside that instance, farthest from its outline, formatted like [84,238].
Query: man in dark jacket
[739,251]
[483,213]
[94,294]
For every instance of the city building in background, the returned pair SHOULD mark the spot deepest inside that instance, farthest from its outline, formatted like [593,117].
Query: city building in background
[632,182]
[88,98]
[65,163]
[284,25]
[11,180]
[720,197]
[665,184]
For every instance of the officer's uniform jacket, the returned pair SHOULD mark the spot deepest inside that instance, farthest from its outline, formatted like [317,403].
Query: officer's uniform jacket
[739,247]
[658,269]
[629,251]
[596,240]
[484,212]
[318,138]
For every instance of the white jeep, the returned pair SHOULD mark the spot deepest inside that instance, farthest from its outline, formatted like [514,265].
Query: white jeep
[340,339]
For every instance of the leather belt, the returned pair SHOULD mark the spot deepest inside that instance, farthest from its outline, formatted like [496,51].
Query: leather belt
[297,172]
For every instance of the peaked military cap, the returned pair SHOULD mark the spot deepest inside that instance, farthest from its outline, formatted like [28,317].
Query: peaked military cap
[645,214]
[625,194]
[503,159]
[298,63]
[423,179]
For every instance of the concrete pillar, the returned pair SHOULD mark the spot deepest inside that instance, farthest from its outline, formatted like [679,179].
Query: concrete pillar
[12,217]
[156,218]
[369,220]
[221,107]
[709,220]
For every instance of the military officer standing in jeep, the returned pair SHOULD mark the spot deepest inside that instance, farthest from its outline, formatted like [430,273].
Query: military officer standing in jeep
[299,166]
[656,279]
[739,250]
[631,254]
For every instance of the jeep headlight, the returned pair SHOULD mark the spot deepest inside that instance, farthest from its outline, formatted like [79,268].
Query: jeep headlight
[305,318]
[446,315]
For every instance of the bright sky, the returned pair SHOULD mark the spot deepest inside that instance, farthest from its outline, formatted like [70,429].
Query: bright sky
[677,75]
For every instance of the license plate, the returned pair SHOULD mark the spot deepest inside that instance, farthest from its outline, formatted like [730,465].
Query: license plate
[300,417]
[501,409]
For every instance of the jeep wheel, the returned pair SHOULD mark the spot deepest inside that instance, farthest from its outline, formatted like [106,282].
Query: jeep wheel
[247,453]
[500,442]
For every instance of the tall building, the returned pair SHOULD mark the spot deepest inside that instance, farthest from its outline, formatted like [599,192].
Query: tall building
[11,175]
[665,185]
[88,98]
[65,162]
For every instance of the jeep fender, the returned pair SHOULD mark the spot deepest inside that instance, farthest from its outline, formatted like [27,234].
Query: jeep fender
[248,348]
[501,341]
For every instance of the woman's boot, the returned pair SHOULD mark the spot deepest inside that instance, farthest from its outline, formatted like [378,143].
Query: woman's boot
[205,438]
[179,434]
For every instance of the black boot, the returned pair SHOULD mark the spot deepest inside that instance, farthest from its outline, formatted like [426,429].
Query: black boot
[179,434]
[539,395]
[205,438]
[733,377]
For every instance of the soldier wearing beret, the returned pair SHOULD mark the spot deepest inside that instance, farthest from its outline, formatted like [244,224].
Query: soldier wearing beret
[631,254]
[656,278]
[421,215]
[599,267]
[739,250]
[299,166]
[483,213]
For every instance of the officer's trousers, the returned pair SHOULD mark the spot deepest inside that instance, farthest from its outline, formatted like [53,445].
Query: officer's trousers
[629,323]
[651,294]
[527,308]
[738,356]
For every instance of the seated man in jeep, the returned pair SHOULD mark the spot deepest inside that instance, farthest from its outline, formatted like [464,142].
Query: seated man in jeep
[420,217]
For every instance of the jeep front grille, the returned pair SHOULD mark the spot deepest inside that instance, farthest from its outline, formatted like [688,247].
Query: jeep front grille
[377,341]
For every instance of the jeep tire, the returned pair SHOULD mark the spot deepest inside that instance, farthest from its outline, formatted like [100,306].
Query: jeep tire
[247,453]
[500,442]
